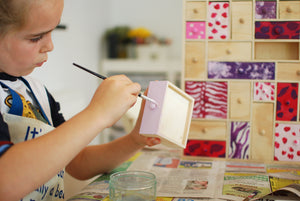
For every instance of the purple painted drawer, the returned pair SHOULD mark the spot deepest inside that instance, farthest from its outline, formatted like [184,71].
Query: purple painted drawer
[241,70]
[277,30]
[265,10]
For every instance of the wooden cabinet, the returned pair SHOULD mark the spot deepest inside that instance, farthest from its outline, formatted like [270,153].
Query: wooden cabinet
[242,66]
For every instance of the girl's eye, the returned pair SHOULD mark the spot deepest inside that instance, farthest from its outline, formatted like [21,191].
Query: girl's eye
[36,39]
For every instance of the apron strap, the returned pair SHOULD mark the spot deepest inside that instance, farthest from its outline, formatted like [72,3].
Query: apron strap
[17,105]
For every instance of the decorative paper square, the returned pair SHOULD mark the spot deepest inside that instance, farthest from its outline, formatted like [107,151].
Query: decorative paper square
[205,148]
[264,91]
[287,101]
[241,70]
[195,30]
[287,142]
[210,99]
[218,20]
[239,140]
[265,10]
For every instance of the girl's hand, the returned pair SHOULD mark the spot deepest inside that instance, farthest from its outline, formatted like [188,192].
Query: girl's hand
[113,98]
[140,139]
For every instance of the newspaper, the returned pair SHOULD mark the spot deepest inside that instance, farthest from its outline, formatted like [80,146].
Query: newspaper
[206,180]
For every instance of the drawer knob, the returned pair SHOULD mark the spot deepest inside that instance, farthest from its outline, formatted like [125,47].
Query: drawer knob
[288,9]
[242,21]
[195,11]
[194,60]
[228,52]
[298,72]
[264,11]
[204,130]
[262,132]
[239,101]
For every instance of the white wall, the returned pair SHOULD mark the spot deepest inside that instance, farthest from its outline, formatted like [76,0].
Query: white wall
[81,42]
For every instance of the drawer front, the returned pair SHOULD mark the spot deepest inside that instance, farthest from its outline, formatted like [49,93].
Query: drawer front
[239,140]
[263,91]
[205,148]
[277,30]
[288,71]
[195,30]
[242,20]
[195,60]
[208,130]
[289,10]
[287,102]
[265,10]
[240,100]
[218,20]
[195,10]
[286,142]
[241,70]
[229,51]
[210,99]
[262,131]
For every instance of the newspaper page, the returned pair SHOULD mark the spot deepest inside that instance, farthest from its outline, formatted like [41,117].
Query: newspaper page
[182,178]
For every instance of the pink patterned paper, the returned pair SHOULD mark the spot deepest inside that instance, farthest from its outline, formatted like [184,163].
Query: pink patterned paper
[210,99]
[218,20]
[287,142]
[195,30]
[264,91]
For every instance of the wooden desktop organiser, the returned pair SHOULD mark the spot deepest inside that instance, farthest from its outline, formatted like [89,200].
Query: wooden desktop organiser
[242,66]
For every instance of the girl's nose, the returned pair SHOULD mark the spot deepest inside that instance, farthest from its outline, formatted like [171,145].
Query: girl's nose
[48,44]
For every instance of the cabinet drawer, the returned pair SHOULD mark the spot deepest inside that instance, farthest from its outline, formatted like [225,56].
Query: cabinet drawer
[210,99]
[195,30]
[289,10]
[277,30]
[240,97]
[262,132]
[241,20]
[288,71]
[218,20]
[287,102]
[195,60]
[234,51]
[195,10]
[208,130]
[265,10]
[241,70]
[286,142]
[205,148]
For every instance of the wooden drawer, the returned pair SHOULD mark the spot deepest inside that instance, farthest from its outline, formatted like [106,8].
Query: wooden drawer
[289,10]
[233,51]
[208,130]
[288,71]
[241,70]
[240,100]
[277,30]
[265,10]
[241,20]
[262,132]
[195,60]
[287,101]
[195,10]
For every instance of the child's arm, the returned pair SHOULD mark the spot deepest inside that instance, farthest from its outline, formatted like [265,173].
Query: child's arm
[103,158]
[27,165]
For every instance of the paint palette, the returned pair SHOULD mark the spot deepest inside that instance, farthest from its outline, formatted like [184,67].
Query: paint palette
[170,119]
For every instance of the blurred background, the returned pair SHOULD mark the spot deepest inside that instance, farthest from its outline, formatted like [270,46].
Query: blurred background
[152,52]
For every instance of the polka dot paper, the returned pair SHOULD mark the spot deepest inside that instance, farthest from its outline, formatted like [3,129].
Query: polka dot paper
[264,91]
[287,142]
[195,30]
[218,21]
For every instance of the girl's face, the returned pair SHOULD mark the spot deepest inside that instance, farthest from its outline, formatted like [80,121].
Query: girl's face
[23,50]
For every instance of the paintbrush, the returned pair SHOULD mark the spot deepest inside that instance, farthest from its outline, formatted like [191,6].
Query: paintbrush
[103,78]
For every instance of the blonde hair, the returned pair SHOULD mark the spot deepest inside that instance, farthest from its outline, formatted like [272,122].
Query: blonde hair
[13,15]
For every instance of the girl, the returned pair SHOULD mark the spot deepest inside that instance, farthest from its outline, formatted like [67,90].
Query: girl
[36,143]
